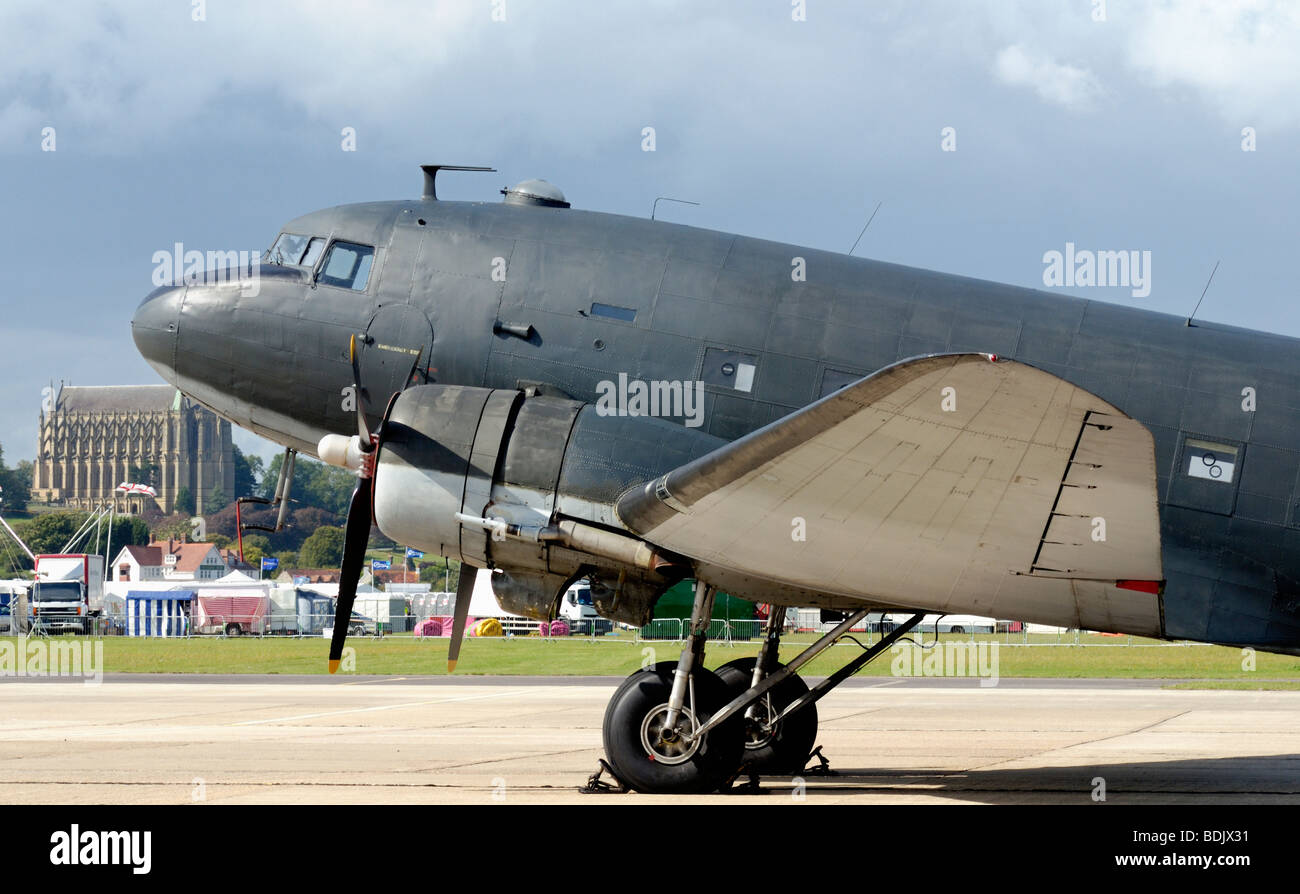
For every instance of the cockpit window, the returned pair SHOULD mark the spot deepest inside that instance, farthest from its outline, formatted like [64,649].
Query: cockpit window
[287,249]
[312,255]
[347,265]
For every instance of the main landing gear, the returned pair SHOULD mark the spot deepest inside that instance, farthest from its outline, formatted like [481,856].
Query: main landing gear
[677,728]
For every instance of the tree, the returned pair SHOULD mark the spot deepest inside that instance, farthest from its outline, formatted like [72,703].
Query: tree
[146,473]
[253,556]
[248,473]
[438,572]
[184,501]
[216,500]
[12,557]
[49,531]
[256,546]
[314,484]
[16,485]
[176,525]
[128,530]
[323,549]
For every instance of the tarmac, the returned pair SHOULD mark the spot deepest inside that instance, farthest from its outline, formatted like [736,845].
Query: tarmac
[239,739]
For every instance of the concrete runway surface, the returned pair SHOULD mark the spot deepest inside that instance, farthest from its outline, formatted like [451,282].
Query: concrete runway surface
[277,740]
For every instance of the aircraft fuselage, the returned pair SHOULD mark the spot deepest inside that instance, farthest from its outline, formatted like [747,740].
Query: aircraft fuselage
[567,301]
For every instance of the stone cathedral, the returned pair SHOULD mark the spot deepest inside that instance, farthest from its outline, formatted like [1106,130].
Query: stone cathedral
[93,438]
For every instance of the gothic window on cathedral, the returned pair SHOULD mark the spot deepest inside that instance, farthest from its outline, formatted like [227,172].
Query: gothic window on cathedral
[347,265]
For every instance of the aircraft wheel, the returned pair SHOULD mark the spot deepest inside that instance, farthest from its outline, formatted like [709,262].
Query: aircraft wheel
[233,629]
[785,750]
[648,759]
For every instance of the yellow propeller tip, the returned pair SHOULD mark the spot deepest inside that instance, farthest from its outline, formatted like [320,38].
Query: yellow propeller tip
[334,666]
[451,667]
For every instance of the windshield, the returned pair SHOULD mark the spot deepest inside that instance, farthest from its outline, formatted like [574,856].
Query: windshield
[296,250]
[56,591]
[584,597]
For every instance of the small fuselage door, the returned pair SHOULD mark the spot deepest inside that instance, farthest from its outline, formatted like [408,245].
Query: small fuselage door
[394,353]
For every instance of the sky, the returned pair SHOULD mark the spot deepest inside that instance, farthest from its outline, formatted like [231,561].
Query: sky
[1170,126]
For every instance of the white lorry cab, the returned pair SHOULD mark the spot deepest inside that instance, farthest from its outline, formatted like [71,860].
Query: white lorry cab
[579,610]
[67,594]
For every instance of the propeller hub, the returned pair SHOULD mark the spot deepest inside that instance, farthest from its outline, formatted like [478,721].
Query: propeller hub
[342,451]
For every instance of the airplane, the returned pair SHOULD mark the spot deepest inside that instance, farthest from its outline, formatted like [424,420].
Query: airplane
[553,393]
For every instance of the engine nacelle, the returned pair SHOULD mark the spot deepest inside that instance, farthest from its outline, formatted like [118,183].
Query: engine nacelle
[527,484]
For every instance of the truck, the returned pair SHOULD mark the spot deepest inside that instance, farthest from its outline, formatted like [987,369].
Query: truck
[578,609]
[67,594]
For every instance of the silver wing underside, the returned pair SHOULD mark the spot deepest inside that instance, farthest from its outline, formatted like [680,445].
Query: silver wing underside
[955,483]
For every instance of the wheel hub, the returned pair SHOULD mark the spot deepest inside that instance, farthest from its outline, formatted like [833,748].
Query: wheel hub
[666,745]
[758,724]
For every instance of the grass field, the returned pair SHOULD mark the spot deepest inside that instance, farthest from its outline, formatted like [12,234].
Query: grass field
[618,656]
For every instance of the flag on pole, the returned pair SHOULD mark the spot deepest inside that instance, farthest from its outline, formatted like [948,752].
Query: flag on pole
[270,563]
[414,553]
[127,487]
[380,564]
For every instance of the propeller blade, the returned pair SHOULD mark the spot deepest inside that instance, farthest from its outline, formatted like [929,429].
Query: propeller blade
[464,590]
[355,538]
[362,429]
[356,535]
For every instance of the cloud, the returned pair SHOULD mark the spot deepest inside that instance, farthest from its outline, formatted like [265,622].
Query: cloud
[1062,85]
[1242,57]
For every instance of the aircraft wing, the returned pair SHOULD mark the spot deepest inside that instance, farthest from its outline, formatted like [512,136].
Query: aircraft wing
[959,482]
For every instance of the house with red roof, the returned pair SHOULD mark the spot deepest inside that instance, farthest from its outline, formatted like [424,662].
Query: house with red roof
[170,560]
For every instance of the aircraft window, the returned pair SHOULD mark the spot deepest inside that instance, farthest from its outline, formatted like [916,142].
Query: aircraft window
[314,249]
[613,311]
[287,249]
[347,266]
[1213,462]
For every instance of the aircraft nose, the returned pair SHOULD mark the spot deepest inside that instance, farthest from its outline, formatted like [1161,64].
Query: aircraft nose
[154,327]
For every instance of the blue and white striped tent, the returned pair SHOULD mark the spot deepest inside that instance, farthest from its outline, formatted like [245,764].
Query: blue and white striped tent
[158,612]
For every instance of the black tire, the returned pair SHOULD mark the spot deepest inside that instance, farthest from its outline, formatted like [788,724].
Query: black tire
[629,725]
[784,752]
[233,629]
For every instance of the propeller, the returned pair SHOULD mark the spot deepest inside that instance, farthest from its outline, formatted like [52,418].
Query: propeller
[464,590]
[359,455]
[363,431]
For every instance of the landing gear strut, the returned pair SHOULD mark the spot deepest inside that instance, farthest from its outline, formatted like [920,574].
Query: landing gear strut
[679,728]
[774,745]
